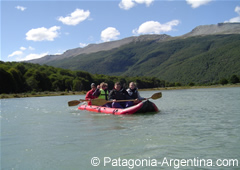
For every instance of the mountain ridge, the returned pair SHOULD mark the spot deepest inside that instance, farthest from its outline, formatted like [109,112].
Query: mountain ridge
[220,28]
[204,55]
[92,48]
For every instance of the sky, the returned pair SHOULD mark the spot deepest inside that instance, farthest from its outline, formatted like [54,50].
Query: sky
[33,29]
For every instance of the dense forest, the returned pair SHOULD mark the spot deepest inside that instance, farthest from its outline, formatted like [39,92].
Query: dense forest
[18,77]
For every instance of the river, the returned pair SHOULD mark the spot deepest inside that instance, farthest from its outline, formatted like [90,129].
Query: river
[195,125]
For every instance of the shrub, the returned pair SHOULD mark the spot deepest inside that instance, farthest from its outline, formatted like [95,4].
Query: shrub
[234,79]
[191,84]
[223,81]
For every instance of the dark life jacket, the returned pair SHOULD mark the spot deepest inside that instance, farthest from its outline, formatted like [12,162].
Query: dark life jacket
[119,95]
[133,93]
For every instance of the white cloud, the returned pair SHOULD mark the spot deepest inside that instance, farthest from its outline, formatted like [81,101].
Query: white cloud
[23,48]
[75,17]
[32,56]
[127,4]
[16,53]
[237,10]
[197,3]
[21,8]
[31,48]
[147,2]
[20,53]
[43,34]
[109,34]
[235,19]
[82,45]
[58,53]
[154,27]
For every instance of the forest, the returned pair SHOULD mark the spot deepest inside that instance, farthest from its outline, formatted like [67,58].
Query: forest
[18,77]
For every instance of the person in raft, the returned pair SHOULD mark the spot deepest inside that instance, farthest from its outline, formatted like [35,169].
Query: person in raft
[119,94]
[133,92]
[102,93]
[89,96]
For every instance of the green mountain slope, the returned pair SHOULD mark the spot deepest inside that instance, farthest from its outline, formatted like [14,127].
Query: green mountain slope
[199,59]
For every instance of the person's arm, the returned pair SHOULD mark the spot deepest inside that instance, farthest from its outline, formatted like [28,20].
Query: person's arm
[111,96]
[96,92]
[88,96]
[127,96]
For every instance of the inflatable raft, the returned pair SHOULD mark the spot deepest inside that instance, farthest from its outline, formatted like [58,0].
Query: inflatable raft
[143,107]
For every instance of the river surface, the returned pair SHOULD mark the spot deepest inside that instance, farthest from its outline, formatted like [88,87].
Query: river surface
[43,133]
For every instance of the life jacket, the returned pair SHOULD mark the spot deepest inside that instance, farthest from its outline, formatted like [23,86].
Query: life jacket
[133,93]
[103,94]
[90,96]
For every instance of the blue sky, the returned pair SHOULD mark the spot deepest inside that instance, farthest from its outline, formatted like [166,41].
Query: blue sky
[32,29]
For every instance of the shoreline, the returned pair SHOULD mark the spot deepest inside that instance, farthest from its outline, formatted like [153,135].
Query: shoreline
[193,87]
[39,94]
[47,93]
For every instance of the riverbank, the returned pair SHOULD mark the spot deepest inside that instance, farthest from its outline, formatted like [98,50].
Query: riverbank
[39,94]
[192,87]
[47,93]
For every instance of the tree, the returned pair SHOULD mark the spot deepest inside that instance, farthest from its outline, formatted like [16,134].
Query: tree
[77,85]
[177,84]
[83,74]
[57,85]
[68,82]
[29,73]
[65,72]
[223,81]
[43,81]
[32,83]
[53,77]
[191,84]
[234,79]
[18,80]
[21,68]
[6,81]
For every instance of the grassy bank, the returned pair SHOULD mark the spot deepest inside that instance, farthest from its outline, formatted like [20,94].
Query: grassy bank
[47,93]
[192,87]
[39,94]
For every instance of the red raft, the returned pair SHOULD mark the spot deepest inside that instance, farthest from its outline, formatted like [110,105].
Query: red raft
[143,107]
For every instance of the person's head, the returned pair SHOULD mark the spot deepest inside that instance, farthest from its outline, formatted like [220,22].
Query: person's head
[117,86]
[103,86]
[93,86]
[132,85]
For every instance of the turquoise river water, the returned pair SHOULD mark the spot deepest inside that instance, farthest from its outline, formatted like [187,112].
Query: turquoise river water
[194,129]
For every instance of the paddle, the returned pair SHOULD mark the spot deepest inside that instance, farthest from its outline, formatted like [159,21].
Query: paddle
[76,102]
[156,96]
[100,102]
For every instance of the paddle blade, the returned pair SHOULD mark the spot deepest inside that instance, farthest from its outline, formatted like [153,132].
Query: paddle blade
[156,96]
[73,103]
[99,102]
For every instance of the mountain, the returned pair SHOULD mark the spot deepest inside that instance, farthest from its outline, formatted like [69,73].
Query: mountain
[221,28]
[93,48]
[205,55]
